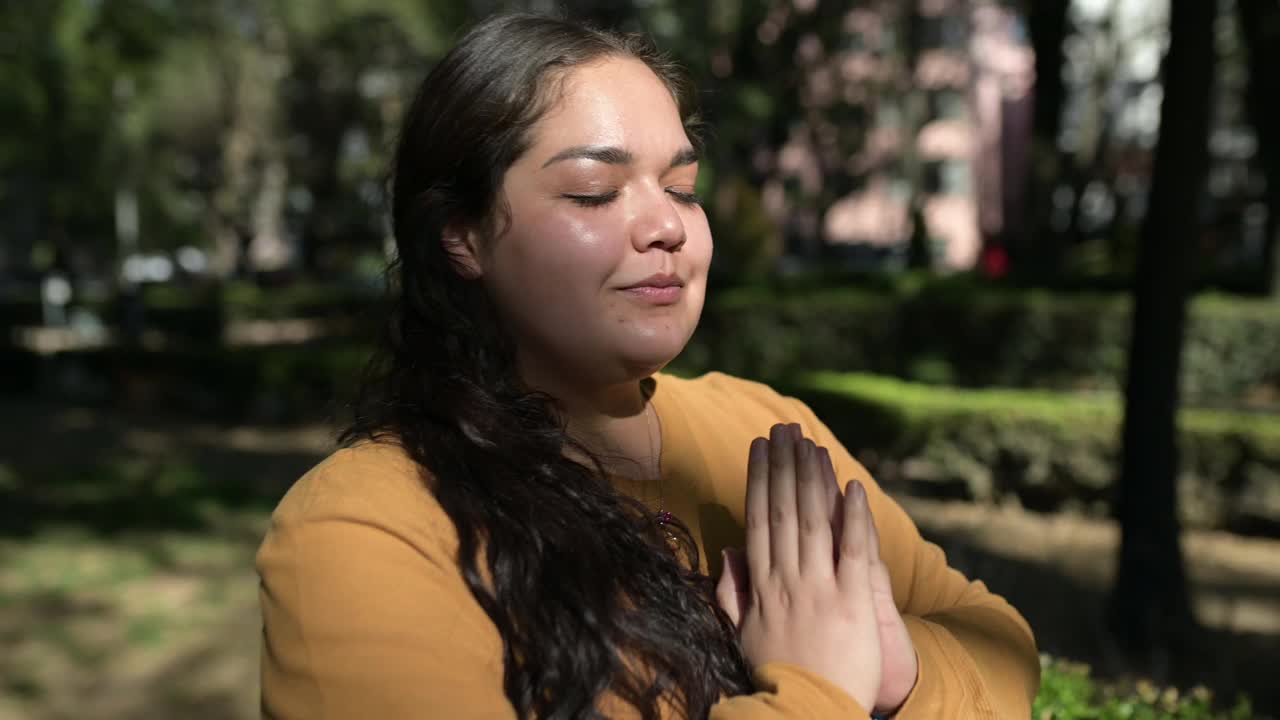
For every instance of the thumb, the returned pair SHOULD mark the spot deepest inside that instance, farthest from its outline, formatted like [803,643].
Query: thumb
[734,586]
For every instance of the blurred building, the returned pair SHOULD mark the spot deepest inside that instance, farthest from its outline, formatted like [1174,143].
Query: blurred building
[942,95]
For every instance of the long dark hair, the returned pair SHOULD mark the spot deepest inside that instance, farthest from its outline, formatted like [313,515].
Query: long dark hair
[587,592]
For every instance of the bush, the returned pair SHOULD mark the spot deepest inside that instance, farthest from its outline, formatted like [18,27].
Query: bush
[1049,450]
[1067,692]
[957,332]
[200,312]
[272,383]
[299,300]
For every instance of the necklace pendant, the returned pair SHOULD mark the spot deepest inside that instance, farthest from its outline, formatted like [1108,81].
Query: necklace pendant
[664,519]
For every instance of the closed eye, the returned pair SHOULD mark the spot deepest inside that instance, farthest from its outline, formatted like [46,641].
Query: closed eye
[686,198]
[592,200]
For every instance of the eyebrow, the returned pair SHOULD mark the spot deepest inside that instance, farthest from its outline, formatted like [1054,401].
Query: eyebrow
[616,156]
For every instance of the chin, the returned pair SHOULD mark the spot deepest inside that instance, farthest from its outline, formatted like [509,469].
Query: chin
[645,356]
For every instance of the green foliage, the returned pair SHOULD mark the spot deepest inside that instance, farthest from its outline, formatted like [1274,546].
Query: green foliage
[1049,450]
[1067,692]
[300,300]
[748,242]
[954,331]
[267,383]
[189,106]
[170,491]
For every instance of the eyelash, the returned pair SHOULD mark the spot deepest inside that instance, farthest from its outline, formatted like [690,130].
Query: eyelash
[593,201]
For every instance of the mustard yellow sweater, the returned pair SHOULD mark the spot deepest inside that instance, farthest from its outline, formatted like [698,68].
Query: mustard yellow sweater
[366,614]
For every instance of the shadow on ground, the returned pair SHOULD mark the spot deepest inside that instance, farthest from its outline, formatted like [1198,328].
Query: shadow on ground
[111,472]
[1068,617]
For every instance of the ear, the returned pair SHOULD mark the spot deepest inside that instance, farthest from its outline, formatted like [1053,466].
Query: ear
[462,245]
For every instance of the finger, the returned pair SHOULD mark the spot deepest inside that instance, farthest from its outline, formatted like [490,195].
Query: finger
[736,561]
[873,535]
[783,540]
[881,583]
[852,574]
[835,498]
[732,592]
[757,510]
[814,513]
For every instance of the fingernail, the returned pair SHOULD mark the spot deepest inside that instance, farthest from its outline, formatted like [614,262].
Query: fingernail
[758,448]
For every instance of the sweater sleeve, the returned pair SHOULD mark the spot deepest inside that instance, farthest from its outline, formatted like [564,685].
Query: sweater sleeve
[977,654]
[365,614]
[361,621]
[788,691]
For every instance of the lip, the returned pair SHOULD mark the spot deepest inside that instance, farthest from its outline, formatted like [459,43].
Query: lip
[657,280]
[664,295]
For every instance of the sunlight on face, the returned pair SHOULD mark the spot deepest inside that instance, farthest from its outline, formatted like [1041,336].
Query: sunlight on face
[602,271]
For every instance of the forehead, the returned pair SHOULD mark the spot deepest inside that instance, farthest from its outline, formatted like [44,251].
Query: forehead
[618,102]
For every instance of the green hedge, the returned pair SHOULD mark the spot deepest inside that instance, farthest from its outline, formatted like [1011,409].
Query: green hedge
[1067,692]
[1049,450]
[959,333]
[201,313]
[270,383]
[299,300]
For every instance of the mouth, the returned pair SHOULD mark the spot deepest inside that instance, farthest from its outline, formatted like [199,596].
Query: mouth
[661,289]
[660,280]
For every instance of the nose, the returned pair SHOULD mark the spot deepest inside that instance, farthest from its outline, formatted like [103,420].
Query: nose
[657,224]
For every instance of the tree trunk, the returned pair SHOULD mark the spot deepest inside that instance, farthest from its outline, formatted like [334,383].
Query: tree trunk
[51,229]
[1260,22]
[1039,250]
[1150,611]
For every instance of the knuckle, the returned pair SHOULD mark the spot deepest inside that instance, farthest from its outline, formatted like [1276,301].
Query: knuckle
[784,597]
[811,525]
[777,516]
[850,549]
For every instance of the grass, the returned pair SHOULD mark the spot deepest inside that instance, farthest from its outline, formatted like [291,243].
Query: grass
[116,621]
[1069,692]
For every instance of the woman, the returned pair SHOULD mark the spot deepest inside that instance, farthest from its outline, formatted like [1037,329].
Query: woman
[520,520]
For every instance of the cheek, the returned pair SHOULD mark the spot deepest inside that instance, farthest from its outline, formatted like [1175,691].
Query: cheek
[700,245]
[557,261]
[576,253]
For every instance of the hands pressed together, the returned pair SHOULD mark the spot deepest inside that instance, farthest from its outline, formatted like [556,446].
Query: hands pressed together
[812,589]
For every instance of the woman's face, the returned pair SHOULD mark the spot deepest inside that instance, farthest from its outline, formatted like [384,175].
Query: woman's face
[601,271]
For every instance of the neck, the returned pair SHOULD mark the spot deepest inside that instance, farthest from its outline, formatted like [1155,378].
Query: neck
[610,419]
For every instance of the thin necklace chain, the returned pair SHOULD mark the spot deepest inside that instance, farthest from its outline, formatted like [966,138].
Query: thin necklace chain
[664,517]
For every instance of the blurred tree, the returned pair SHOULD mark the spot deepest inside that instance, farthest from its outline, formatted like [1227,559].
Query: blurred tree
[1039,252]
[343,99]
[209,120]
[71,64]
[1260,22]
[1149,604]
